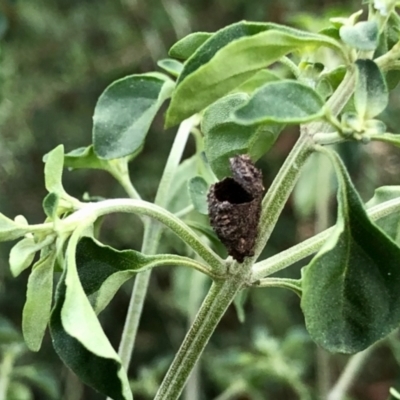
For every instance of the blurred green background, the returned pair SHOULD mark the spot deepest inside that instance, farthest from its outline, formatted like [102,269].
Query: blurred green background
[56,57]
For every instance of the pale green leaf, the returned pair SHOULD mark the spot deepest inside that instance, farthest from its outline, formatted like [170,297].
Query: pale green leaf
[53,170]
[171,66]
[22,255]
[36,313]
[11,230]
[362,36]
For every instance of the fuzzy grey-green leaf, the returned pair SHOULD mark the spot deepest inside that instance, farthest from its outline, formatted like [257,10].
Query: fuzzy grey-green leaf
[198,189]
[285,101]
[124,112]
[36,313]
[362,36]
[371,94]
[350,289]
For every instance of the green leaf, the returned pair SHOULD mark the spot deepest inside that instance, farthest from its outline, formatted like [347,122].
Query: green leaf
[224,138]
[185,47]
[283,102]
[85,157]
[371,94]
[229,58]
[350,289]
[171,66]
[22,255]
[102,269]
[125,111]
[198,189]
[362,36]
[53,170]
[390,224]
[78,337]
[10,230]
[259,79]
[37,307]
[50,204]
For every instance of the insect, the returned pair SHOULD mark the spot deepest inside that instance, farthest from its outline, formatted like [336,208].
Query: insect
[234,206]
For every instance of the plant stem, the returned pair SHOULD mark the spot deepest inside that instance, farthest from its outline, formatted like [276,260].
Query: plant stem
[213,308]
[281,187]
[349,374]
[310,246]
[151,240]
[5,372]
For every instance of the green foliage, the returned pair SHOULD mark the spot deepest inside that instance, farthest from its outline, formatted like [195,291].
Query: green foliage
[371,94]
[36,313]
[124,112]
[362,36]
[284,102]
[235,91]
[229,58]
[356,272]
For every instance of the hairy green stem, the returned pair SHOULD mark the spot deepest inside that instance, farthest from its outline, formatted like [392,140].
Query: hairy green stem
[310,246]
[281,187]
[151,240]
[284,182]
[95,210]
[213,308]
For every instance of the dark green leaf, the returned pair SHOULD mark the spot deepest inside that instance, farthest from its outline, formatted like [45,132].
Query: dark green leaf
[96,370]
[198,189]
[50,204]
[185,47]
[362,36]
[229,58]
[392,79]
[124,112]
[102,269]
[78,337]
[36,314]
[171,66]
[371,94]
[350,289]
[283,102]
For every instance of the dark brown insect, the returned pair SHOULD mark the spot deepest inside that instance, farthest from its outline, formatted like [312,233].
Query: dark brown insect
[234,206]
